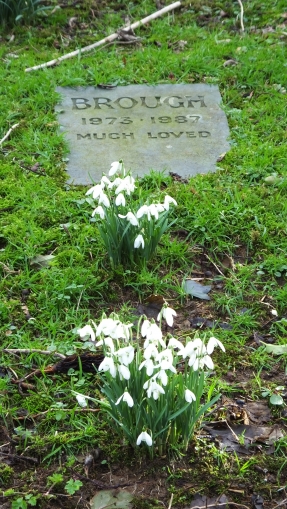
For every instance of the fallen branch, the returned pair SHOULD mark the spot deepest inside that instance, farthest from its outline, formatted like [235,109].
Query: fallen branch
[108,39]
[8,133]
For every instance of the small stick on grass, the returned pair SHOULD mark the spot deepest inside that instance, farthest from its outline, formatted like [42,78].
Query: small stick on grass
[8,133]
[108,39]
[33,350]
[241,15]
[214,264]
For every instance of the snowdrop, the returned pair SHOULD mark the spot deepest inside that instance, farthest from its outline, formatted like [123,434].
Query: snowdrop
[127,185]
[87,331]
[189,396]
[107,342]
[153,389]
[95,191]
[124,372]
[144,437]
[139,241]
[167,201]
[108,365]
[99,210]
[103,198]
[126,355]
[149,366]
[131,218]
[212,343]
[168,314]
[120,200]
[115,167]
[127,398]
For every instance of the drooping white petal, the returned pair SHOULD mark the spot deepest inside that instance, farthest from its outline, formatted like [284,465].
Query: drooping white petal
[139,241]
[212,343]
[189,396]
[99,210]
[144,437]
[131,218]
[125,355]
[104,200]
[124,372]
[115,166]
[120,200]
[167,201]
[95,191]
[87,330]
[108,365]
[127,398]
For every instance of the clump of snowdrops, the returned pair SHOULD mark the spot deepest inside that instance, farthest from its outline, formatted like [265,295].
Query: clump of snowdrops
[130,230]
[153,385]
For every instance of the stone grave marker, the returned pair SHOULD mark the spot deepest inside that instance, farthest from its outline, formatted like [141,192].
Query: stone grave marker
[177,128]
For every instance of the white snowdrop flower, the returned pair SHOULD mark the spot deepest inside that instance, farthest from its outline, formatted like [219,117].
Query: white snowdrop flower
[154,333]
[167,201]
[127,398]
[144,210]
[274,312]
[189,396]
[162,376]
[131,218]
[168,314]
[144,437]
[87,330]
[127,185]
[95,191]
[155,208]
[115,183]
[115,167]
[153,389]
[124,372]
[145,325]
[120,200]
[165,360]
[206,360]
[107,326]
[150,351]
[139,241]
[99,210]
[174,343]
[212,343]
[126,355]
[81,400]
[149,366]
[105,181]
[107,342]
[108,365]
[104,200]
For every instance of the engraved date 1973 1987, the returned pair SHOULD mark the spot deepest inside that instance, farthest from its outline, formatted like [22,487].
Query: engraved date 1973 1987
[179,119]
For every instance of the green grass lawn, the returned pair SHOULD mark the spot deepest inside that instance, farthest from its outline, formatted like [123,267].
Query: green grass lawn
[230,228]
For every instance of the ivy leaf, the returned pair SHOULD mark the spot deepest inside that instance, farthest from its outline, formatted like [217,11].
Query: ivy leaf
[196,289]
[112,499]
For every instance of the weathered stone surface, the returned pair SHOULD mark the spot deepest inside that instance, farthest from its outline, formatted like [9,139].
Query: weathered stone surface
[178,128]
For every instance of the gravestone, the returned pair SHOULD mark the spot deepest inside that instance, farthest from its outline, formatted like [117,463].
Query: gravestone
[177,128]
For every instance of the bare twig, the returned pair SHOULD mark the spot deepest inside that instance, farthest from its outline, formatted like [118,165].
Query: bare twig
[8,133]
[108,39]
[33,350]
[170,502]
[241,15]
[280,504]
[214,264]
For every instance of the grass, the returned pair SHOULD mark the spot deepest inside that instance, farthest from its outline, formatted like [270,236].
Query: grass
[235,220]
